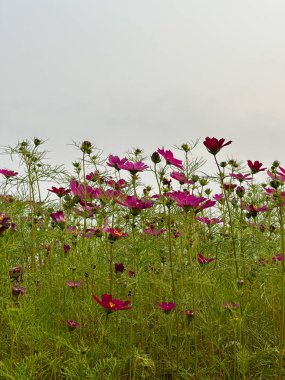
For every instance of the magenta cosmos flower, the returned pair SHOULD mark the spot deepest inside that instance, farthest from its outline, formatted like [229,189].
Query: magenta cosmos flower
[214,145]
[119,268]
[154,232]
[203,260]
[255,166]
[59,191]
[253,210]
[8,173]
[16,291]
[111,304]
[134,167]
[208,221]
[135,204]
[241,177]
[186,201]
[58,216]
[166,307]
[169,158]
[116,162]
[114,234]
[277,258]
[180,177]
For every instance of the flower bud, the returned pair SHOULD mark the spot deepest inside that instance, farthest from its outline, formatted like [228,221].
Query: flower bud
[86,147]
[155,158]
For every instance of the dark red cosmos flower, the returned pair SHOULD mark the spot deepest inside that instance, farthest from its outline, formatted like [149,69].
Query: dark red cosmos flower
[134,167]
[116,162]
[169,158]
[72,325]
[203,260]
[255,166]
[16,291]
[59,191]
[111,304]
[117,185]
[214,145]
[8,173]
[189,314]
[93,176]
[229,186]
[166,307]
[119,267]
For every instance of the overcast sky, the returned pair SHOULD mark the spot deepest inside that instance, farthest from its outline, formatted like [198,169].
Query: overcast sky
[147,73]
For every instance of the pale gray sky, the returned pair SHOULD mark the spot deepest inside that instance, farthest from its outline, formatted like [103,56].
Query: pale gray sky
[147,73]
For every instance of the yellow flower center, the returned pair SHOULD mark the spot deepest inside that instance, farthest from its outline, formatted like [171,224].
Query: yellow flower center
[111,305]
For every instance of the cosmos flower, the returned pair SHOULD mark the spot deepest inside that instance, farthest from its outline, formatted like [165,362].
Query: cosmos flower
[203,260]
[59,191]
[73,284]
[134,167]
[16,273]
[277,258]
[169,158]
[116,162]
[166,307]
[253,210]
[214,145]
[135,204]
[115,234]
[255,166]
[72,325]
[188,201]
[154,232]
[119,267]
[241,177]
[180,177]
[208,221]
[8,173]
[17,291]
[58,217]
[111,304]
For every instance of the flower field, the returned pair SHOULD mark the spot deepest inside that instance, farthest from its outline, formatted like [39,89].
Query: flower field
[105,275]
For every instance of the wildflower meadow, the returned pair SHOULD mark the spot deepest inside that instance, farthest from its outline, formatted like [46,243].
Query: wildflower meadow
[141,266]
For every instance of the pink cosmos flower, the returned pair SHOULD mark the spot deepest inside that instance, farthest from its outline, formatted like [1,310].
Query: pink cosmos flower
[8,173]
[73,284]
[72,325]
[208,221]
[255,166]
[59,191]
[219,198]
[83,191]
[134,167]
[180,177]
[111,304]
[116,162]
[189,314]
[169,158]
[166,307]
[214,145]
[203,260]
